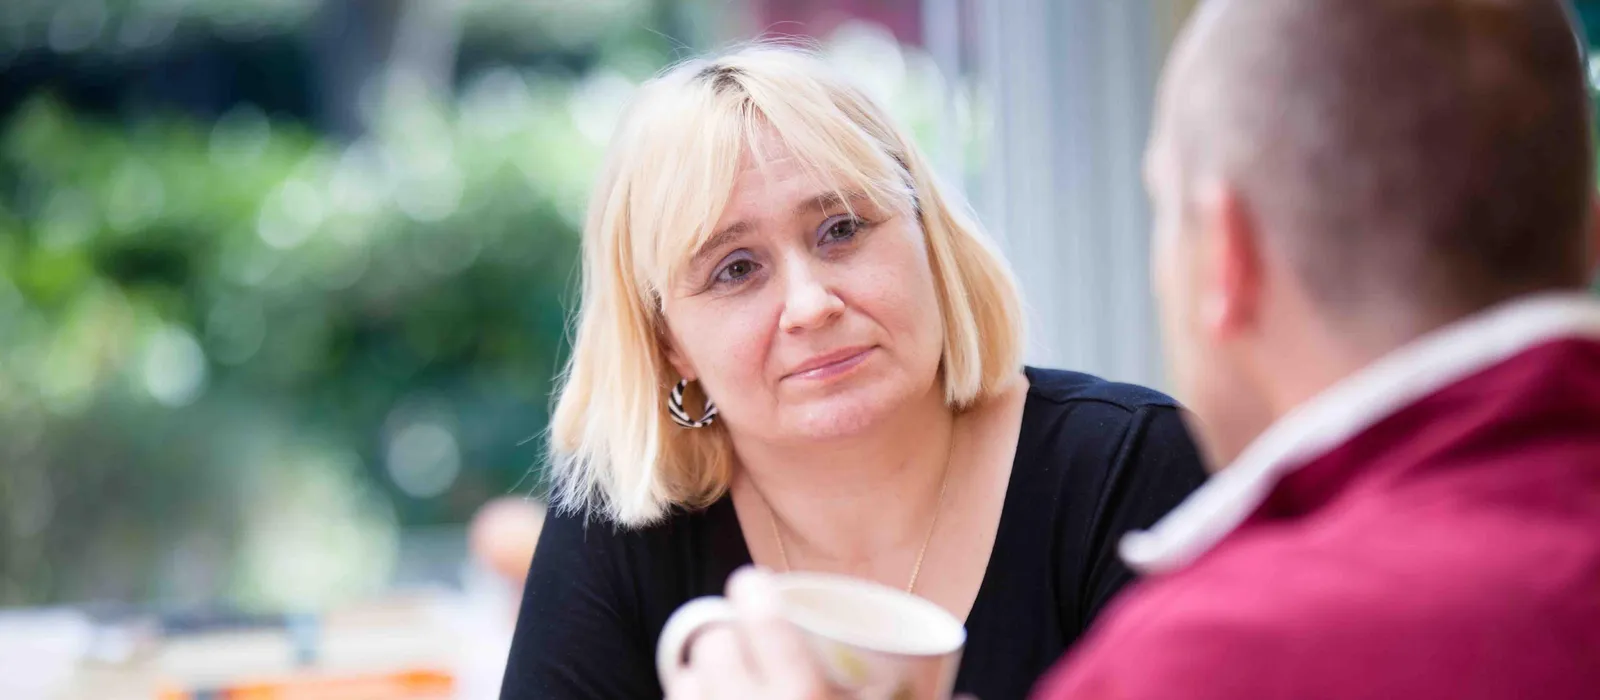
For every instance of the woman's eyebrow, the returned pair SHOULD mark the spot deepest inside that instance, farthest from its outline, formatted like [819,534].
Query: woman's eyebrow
[726,235]
[821,201]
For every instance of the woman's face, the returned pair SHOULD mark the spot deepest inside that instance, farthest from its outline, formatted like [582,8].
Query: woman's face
[803,321]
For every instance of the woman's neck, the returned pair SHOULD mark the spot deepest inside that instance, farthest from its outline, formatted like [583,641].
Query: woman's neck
[839,505]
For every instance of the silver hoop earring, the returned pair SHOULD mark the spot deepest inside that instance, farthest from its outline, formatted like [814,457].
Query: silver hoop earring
[680,416]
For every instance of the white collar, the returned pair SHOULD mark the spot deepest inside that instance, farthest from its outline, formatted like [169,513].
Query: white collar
[1342,411]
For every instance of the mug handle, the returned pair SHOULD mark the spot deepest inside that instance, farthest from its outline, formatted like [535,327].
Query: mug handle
[681,628]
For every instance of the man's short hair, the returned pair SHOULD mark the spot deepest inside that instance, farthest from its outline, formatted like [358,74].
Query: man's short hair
[1435,150]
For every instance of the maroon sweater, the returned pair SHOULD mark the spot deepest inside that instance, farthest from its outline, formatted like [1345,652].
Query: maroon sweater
[1447,547]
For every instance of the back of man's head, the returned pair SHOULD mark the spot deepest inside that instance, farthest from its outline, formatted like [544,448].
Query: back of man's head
[1433,151]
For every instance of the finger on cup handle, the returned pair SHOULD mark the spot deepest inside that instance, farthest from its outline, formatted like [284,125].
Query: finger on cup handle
[684,686]
[720,651]
[777,651]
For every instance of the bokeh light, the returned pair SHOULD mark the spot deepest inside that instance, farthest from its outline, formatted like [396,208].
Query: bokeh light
[424,459]
[174,367]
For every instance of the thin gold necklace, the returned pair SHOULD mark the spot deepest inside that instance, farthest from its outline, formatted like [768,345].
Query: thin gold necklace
[916,569]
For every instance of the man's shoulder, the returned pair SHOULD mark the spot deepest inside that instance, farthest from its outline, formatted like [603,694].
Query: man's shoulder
[1223,633]
[1279,615]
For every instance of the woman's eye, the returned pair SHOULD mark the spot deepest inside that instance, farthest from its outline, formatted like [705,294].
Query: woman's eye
[736,271]
[842,229]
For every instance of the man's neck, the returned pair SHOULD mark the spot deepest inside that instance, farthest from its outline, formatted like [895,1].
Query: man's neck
[1320,348]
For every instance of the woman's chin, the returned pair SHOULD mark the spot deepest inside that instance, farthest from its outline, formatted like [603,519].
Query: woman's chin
[840,417]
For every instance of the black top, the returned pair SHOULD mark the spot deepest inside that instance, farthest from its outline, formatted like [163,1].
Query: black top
[1094,460]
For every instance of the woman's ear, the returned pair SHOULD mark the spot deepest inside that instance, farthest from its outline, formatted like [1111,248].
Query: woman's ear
[680,363]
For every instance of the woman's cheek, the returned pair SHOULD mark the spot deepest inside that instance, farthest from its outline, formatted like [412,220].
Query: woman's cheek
[888,292]
[734,345]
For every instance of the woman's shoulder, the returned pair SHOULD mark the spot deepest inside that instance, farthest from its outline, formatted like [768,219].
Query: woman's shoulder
[1095,460]
[598,594]
[687,552]
[1092,433]
[1064,387]
[589,527]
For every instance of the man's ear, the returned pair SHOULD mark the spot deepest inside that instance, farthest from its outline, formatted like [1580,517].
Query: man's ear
[1234,278]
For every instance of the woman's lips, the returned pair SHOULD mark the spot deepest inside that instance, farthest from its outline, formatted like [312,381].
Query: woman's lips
[832,364]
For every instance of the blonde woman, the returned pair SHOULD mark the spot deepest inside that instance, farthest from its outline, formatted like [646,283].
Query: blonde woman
[795,349]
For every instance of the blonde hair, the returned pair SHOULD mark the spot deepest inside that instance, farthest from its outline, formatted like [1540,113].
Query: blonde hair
[669,173]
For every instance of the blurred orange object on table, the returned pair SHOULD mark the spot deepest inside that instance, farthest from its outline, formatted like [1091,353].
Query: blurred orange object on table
[403,685]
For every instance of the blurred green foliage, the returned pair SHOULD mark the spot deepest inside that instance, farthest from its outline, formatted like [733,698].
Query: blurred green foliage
[124,25]
[194,313]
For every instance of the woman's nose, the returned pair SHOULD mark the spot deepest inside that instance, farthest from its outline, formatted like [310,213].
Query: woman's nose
[809,301]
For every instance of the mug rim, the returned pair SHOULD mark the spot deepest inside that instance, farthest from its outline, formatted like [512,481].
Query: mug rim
[947,634]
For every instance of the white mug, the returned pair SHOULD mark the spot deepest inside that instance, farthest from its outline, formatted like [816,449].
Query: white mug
[872,642]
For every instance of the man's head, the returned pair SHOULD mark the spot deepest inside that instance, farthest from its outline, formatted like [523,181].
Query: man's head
[1332,178]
